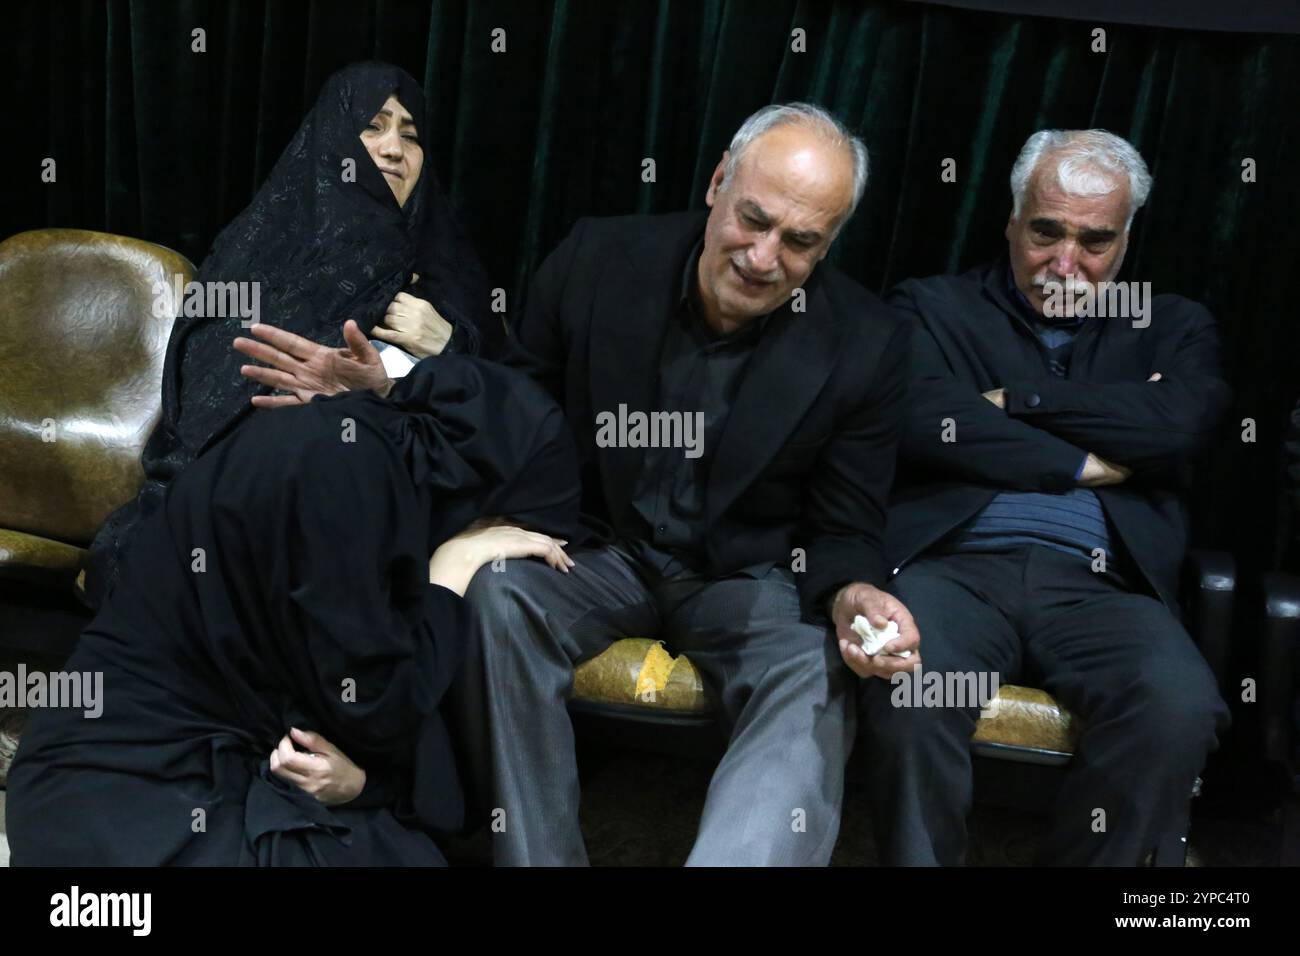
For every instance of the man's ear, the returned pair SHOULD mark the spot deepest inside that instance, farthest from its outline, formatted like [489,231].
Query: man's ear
[719,172]
[1011,226]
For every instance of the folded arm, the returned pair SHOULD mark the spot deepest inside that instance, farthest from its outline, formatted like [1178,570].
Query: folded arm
[1144,426]
[951,429]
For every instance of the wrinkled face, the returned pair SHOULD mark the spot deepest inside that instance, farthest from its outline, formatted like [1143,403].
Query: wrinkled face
[772,223]
[1058,235]
[392,143]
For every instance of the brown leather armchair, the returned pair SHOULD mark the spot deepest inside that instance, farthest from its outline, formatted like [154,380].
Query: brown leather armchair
[82,353]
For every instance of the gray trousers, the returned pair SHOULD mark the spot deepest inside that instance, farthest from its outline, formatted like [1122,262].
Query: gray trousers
[785,694]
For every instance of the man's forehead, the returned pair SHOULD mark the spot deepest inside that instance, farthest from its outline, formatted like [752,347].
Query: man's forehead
[800,202]
[1045,199]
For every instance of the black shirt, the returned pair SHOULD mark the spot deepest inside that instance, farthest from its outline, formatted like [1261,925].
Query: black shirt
[699,376]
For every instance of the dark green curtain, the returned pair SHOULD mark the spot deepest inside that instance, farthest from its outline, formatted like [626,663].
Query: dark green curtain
[157,141]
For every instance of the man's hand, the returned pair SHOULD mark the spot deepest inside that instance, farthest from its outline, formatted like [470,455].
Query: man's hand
[305,369]
[413,325]
[879,608]
[325,773]
[1098,472]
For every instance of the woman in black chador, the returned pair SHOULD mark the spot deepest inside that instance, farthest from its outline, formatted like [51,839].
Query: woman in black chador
[282,631]
[351,224]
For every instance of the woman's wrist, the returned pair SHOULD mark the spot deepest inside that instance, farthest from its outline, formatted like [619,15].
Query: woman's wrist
[430,343]
[454,564]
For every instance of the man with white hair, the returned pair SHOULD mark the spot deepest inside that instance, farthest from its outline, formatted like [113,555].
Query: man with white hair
[734,549]
[1037,525]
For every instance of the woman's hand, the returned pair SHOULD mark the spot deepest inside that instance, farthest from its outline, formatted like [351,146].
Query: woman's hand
[305,369]
[413,325]
[325,773]
[457,559]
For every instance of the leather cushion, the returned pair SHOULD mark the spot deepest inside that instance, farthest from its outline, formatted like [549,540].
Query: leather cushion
[1017,717]
[1027,717]
[639,671]
[18,550]
[82,354]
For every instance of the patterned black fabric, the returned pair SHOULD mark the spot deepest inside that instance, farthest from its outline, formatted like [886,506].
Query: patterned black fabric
[316,573]
[323,247]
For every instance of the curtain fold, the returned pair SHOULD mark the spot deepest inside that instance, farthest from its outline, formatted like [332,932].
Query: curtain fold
[155,140]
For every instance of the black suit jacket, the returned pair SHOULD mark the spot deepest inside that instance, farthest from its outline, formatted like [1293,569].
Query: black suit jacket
[969,338]
[806,456]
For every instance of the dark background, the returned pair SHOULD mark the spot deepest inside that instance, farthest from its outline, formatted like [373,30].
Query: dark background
[155,141]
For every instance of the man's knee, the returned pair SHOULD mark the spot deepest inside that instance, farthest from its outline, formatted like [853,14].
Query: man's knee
[498,588]
[1178,707]
[506,606]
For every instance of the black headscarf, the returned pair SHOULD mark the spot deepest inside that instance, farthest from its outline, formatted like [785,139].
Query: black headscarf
[326,241]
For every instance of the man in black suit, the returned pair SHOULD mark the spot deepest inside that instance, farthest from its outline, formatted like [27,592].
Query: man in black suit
[1037,524]
[764,513]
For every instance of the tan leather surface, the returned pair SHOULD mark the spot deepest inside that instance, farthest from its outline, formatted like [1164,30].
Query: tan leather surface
[81,348]
[1028,717]
[1018,716]
[29,551]
[612,677]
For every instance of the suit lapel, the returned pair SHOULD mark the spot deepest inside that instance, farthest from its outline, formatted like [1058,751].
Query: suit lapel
[636,297]
[788,369]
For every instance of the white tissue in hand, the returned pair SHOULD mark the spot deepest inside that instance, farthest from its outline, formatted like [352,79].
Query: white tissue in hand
[873,638]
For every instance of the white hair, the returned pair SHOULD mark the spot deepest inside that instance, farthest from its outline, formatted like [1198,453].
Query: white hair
[801,114]
[1088,161]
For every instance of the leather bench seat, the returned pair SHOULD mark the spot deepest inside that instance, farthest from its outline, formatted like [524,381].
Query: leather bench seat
[638,673]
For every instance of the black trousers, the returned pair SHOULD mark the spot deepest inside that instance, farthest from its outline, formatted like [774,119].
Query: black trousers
[1118,659]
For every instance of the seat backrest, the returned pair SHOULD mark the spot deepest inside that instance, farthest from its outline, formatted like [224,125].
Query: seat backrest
[81,357]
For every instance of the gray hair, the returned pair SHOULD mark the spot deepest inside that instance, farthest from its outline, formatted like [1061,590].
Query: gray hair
[801,114]
[1087,163]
